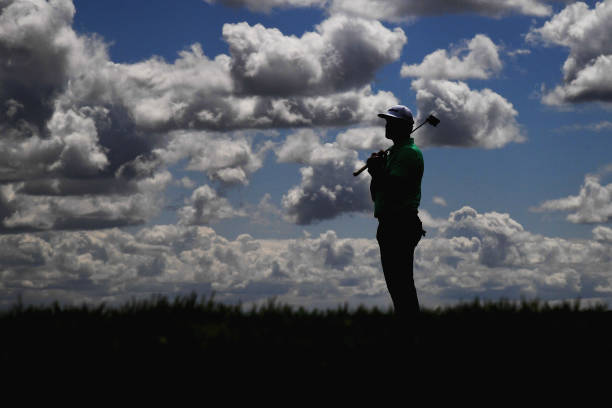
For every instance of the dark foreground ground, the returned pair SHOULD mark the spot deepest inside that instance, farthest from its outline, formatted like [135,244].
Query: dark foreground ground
[197,333]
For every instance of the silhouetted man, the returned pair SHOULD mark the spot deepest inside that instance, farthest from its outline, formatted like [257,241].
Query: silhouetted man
[396,192]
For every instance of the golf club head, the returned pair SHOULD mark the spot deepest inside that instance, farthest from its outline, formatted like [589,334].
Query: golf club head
[432,120]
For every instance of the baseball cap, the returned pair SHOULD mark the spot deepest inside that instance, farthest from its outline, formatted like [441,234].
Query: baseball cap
[398,112]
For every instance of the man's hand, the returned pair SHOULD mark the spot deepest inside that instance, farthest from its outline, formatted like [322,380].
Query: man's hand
[376,163]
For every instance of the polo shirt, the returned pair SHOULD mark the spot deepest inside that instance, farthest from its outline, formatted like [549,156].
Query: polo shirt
[400,190]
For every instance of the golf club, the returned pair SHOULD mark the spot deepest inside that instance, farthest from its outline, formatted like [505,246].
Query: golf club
[431,119]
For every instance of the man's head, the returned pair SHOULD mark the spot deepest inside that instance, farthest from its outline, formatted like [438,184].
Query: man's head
[399,122]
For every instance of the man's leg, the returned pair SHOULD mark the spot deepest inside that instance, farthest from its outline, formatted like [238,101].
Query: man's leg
[397,256]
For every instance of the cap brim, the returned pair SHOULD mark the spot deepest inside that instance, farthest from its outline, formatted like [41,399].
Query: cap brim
[387,116]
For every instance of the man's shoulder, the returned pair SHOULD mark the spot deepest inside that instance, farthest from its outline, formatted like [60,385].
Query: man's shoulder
[416,149]
[410,150]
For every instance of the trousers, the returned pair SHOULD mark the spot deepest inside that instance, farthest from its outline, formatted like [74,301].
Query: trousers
[397,238]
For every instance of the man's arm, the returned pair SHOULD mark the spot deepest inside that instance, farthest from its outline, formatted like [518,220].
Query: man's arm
[376,168]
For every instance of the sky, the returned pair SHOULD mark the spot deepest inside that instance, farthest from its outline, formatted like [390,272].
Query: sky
[161,147]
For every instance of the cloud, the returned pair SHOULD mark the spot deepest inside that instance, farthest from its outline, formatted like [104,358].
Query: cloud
[165,96]
[266,212]
[470,118]
[24,251]
[327,188]
[514,53]
[481,61]
[495,256]
[41,51]
[475,254]
[269,81]
[401,10]
[205,207]
[69,160]
[194,91]
[185,182]
[364,138]
[39,212]
[115,266]
[586,33]
[493,232]
[593,127]
[602,233]
[592,83]
[429,221]
[266,6]
[440,201]
[84,138]
[35,43]
[227,158]
[341,54]
[593,204]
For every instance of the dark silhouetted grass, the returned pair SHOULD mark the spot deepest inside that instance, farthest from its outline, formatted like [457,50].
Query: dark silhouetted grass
[214,337]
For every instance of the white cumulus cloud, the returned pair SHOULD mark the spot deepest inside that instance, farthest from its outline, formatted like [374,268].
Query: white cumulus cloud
[470,118]
[205,207]
[229,158]
[479,58]
[440,201]
[602,233]
[493,255]
[586,32]
[341,54]
[593,204]
[475,254]
[364,138]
